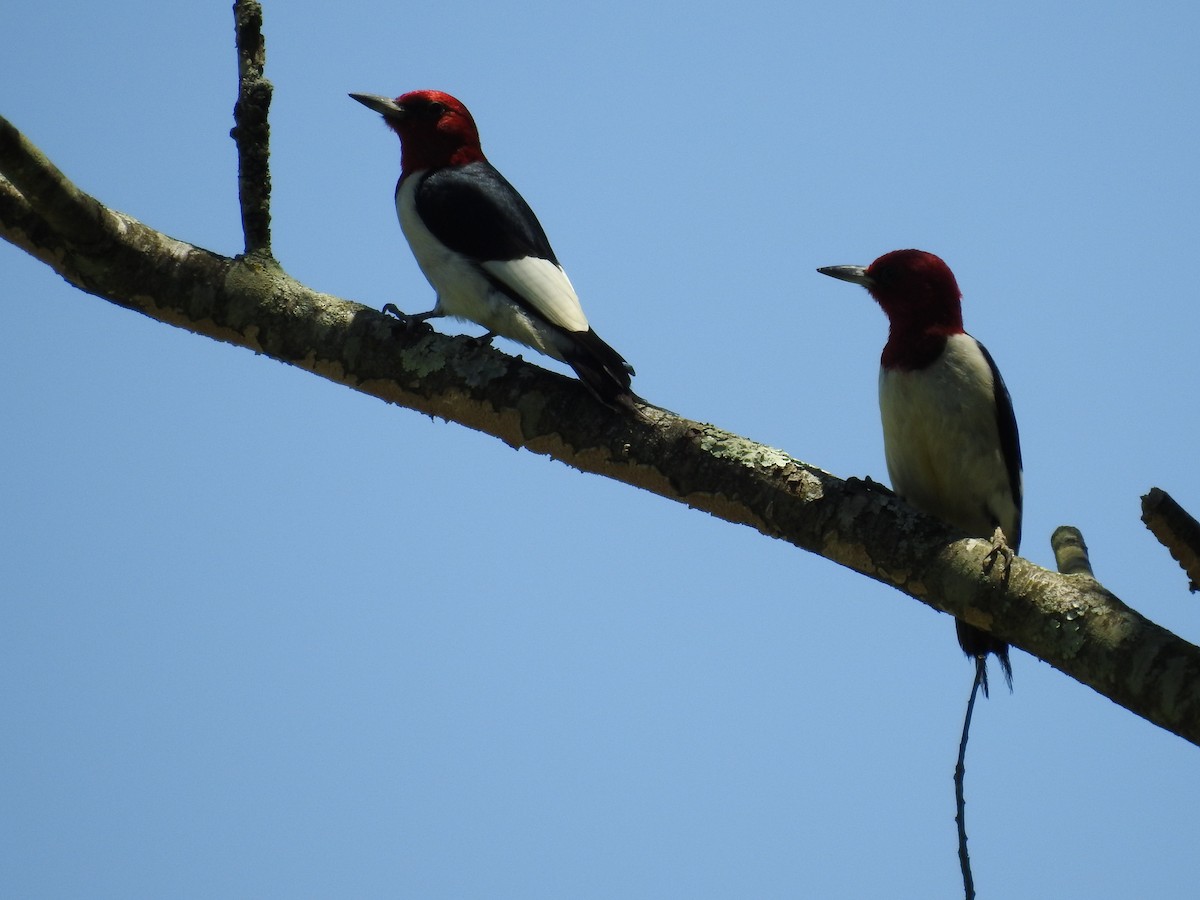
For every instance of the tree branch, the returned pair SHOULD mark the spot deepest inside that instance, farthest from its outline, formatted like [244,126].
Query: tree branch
[1070,621]
[1175,530]
[251,131]
[71,214]
[1070,552]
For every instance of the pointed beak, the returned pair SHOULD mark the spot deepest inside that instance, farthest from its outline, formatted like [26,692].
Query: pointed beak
[853,274]
[389,109]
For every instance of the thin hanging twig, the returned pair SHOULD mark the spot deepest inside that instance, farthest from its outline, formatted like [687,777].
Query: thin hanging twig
[960,770]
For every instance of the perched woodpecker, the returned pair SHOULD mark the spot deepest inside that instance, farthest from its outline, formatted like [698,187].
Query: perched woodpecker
[480,245]
[949,433]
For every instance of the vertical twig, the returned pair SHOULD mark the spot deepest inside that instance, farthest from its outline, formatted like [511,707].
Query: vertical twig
[960,771]
[251,130]
[1070,552]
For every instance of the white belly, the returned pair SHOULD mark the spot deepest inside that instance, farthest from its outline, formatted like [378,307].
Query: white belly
[942,440]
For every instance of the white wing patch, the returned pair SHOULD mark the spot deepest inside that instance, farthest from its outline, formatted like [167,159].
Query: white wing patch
[464,291]
[545,287]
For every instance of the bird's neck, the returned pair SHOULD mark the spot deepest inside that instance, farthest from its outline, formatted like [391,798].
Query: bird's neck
[911,348]
[415,157]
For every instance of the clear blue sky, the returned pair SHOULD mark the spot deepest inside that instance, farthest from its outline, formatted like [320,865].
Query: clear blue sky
[263,636]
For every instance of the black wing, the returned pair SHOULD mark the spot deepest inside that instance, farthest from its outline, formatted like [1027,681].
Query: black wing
[1010,443]
[474,211]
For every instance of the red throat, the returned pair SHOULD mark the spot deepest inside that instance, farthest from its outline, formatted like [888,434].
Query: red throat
[920,295]
[914,351]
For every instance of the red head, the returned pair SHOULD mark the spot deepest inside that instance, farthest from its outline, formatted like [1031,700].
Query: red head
[435,129]
[921,298]
[917,291]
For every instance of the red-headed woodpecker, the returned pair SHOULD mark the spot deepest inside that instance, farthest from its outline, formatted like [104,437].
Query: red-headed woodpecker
[949,433]
[481,246]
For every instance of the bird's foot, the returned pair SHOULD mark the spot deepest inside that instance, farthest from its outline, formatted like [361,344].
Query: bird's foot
[484,340]
[1000,550]
[870,485]
[408,319]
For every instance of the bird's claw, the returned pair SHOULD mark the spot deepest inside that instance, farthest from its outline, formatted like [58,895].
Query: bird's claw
[484,340]
[408,320]
[870,485]
[1000,550]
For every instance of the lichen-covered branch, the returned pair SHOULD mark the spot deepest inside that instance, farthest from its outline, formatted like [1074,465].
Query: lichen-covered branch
[71,214]
[1069,621]
[1176,530]
[251,131]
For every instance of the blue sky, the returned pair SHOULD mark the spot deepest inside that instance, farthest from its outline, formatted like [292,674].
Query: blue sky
[263,636]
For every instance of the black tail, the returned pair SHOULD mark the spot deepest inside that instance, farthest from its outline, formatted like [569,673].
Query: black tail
[977,644]
[599,366]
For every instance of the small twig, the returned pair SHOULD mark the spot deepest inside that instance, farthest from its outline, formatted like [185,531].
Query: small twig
[251,131]
[47,192]
[1070,552]
[960,771]
[1176,530]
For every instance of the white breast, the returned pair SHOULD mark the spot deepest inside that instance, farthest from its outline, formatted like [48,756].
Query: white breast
[942,440]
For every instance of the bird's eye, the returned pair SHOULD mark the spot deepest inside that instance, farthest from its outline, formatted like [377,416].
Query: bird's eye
[437,109]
